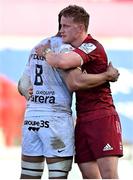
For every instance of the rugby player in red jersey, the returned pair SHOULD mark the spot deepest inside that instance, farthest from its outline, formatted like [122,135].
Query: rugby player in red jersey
[98,130]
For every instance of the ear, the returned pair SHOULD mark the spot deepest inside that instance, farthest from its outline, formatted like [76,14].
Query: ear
[81,27]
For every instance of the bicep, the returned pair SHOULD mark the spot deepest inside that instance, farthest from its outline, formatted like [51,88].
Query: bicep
[68,60]
[71,59]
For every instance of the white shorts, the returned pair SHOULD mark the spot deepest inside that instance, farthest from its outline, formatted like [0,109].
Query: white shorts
[50,136]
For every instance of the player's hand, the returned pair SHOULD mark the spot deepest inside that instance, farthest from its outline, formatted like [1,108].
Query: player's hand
[112,73]
[40,50]
[30,92]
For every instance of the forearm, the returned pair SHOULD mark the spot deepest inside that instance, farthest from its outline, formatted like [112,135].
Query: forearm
[87,81]
[76,80]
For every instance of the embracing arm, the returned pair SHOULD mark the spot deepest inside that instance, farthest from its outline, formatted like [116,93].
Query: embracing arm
[64,60]
[76,80]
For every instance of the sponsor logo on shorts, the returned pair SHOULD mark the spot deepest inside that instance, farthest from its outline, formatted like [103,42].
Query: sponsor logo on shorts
[36,125]
[108,147]
[33,129]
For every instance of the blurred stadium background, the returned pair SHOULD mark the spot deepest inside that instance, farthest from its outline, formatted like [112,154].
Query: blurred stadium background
[23,23]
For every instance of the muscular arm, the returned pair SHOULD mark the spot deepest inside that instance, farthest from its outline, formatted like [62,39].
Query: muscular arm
[64,60]
[76,80]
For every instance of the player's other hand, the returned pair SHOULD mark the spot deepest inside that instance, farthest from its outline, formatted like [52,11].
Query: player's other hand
[30,92]
[112,73]
[40,49]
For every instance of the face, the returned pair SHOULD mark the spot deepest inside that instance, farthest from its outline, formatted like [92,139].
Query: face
[70,31]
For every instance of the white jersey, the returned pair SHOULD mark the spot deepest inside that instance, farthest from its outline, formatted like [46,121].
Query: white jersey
[50,93]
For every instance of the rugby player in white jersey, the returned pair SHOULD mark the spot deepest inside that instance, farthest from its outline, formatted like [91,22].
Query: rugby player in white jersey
[48,129]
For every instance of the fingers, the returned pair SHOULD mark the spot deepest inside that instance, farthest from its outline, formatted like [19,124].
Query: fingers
[41,48]
[113,73]
[30,92]
[115,77]
[117,73]
[110,63]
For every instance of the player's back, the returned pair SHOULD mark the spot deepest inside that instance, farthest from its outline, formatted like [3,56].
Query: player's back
[50,93]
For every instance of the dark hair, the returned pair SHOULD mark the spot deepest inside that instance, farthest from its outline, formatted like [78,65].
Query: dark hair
[59,25]
[59,19]
[78,14]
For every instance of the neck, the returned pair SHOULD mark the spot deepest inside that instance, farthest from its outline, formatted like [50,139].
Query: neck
[79,40]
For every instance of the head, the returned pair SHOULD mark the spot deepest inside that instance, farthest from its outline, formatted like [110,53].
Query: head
[74,21]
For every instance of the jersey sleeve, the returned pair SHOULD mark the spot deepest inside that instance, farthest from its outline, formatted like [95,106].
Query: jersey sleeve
[86,51]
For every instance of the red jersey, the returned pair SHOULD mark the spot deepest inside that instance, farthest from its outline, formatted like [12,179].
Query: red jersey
[94,102]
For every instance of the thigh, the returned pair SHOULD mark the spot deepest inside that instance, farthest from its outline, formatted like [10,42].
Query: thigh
[31,142]
[34,159]
[58,138]
[83,142]
[108,140]
[98,138]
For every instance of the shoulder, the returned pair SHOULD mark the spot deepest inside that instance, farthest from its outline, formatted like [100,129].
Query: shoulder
[87,47]
[90,44]
[56,39]
[93,41]
[56,43]
[43,41]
